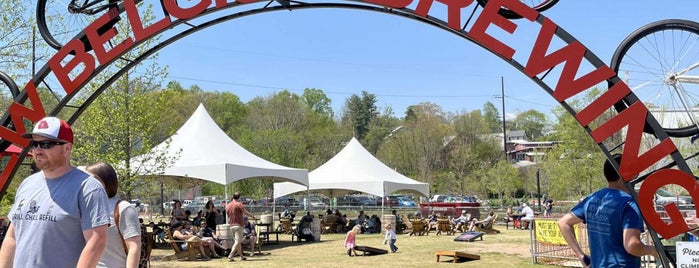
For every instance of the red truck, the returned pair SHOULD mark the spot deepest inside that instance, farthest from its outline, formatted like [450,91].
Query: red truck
[452,209]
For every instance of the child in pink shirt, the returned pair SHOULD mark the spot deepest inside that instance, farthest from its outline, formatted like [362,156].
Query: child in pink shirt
[350,238]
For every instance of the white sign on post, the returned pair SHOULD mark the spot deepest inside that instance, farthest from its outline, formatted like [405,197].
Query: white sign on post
[687,254]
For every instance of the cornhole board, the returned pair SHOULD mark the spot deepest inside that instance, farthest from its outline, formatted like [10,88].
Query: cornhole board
[469,236]
[370,250]
[456,255]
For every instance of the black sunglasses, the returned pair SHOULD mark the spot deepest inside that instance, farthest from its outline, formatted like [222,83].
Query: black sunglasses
[44,144]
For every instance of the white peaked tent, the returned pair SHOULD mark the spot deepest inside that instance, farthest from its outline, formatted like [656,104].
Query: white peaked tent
[204,151]
[354,169]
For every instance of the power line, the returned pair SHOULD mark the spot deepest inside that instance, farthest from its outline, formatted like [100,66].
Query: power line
[328,92]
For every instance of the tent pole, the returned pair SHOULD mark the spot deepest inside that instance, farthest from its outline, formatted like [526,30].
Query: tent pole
[383,199]
[308,199]
[225,196]
[225,193]
[274,204]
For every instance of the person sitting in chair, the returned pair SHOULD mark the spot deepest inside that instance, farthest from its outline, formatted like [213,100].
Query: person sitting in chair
[158,232]
[191,240]
[361,221]
[432,221]
[400,226]
[374,224]
[249,234]
[528,215]
[208,237]
[286,214]
[481,224]
[460,222]
[330,221]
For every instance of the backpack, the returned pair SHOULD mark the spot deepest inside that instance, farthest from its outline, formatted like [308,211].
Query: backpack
[146,241]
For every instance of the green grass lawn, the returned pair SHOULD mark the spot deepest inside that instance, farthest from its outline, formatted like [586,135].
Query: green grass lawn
[511,248]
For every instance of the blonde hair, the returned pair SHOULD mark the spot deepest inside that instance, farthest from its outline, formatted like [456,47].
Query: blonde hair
[357,229]
[388,225]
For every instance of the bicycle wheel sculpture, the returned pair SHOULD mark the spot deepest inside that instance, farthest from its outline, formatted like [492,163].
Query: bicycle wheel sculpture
[538,5]
[659,63]
[59,21]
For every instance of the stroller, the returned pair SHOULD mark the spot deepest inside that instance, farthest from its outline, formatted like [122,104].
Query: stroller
[303,230]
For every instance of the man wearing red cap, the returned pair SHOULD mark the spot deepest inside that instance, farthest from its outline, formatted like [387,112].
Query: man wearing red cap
[60,215]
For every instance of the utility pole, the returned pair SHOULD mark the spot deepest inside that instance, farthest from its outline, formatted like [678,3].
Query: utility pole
[538,188]
[504,132]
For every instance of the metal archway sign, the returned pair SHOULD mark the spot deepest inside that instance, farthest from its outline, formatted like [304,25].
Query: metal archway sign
[74,67]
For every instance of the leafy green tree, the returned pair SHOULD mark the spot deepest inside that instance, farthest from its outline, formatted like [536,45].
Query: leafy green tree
[532,122]
[359,112]
[283,129]
[317,101]
[416,150]
[16,40]
[383,126]
[503,180]
[120,124]
[492,117]
[470,151]
[573,167]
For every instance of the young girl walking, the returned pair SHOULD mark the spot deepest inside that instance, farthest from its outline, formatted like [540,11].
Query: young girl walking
[350,238]
[391,238]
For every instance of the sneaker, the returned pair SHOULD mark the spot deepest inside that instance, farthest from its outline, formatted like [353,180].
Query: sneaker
[231,260]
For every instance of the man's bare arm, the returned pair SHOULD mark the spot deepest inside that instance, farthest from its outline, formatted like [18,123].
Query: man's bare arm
[7,251]
[96,239]
[634,246]
[567,225]
[134,246]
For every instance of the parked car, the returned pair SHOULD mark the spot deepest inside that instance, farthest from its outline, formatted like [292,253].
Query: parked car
[404,201]
[246,201]
[388,201]
[355,201]
[195,206]
[663,197]
[315,202]
[286,200]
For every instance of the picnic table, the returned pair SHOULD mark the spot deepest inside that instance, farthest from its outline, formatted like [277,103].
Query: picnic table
[265,231]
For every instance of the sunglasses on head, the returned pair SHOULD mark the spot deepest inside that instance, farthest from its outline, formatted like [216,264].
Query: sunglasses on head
[44,144]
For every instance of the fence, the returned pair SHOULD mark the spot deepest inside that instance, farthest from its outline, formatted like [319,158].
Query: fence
[549,247]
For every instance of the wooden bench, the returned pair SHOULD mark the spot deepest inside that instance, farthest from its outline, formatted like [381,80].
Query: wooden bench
[456,255]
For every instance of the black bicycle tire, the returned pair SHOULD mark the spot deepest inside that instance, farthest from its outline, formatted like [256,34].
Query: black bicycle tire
[509,14]
[43,27]
[637,35]
[10,83]
[45,31]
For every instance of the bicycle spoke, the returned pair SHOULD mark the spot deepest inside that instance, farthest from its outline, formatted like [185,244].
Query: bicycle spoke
[660,60]
[61,20]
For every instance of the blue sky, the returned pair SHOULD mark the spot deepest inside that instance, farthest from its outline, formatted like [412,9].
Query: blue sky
[402,61]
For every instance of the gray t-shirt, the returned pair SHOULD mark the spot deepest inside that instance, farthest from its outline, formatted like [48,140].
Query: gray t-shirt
[49,217]
[114,255]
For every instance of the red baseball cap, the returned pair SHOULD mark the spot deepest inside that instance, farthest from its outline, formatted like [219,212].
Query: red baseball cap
[51,128]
